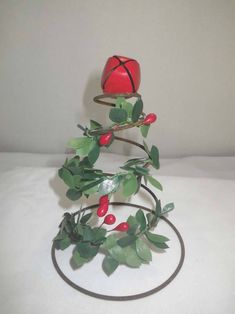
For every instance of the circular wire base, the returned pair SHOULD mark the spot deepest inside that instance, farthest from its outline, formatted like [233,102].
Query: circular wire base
[125,297]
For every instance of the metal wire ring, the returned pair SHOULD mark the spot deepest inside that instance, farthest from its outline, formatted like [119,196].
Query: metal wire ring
[134,296]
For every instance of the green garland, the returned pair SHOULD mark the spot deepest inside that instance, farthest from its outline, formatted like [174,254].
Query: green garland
[83,179]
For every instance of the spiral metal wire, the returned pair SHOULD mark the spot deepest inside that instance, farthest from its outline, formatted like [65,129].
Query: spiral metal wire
[101,99]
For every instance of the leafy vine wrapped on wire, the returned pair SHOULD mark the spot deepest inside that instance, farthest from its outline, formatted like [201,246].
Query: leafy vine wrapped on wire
[84,179]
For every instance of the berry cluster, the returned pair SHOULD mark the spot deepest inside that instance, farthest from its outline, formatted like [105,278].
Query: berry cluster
[109,219]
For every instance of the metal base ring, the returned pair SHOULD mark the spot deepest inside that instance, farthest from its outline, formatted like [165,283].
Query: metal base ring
[124,297]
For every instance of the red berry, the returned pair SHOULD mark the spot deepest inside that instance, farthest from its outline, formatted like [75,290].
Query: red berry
[105,138]
[109,219]
[102,210]
[104,199]
[123,226]
[150,118]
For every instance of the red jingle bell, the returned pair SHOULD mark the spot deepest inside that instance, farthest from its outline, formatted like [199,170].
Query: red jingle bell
[121,75]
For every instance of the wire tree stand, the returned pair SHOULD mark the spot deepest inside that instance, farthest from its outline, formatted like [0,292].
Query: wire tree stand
[101,99]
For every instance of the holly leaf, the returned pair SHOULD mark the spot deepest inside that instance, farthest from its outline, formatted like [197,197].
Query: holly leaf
[156,238]
[146,148]
[85,218]
[110,242]
[141,170]
[109,265]
[73,194]
[141,219]
[94,153]
[142,250]
[63,243]
[91,185]
[78,260]
[154,182]
[118,253]
[132,259]
[144,130]
[86,148]
[99,234]
[133,223]
[86,250]
[128,107]
[137,110]
[120,101]
[118,115]
[154,154]
[95,125]
[67,177]
[77,143]
[130,185]
[167,208]
[127,240]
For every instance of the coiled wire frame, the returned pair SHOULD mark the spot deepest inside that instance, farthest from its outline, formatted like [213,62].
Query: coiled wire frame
[100,100]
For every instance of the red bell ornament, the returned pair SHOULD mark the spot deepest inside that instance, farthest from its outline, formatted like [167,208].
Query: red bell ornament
[121,75]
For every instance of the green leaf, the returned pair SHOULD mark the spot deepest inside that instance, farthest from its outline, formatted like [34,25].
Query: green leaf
[109,185]
[86,250]
[146,148]
[132,220]
[128,107]
[132,259]
[86,148]
[62,244]
[99,234]
[141,170]
[85,218]
[161,245]
[92,190]
[80,142]
[154,182]
[110,242]
[137,110]
[76,180]
[130,185]
[154,154]
[127,240]
[85,163]
[94,153]
[91,185]
[158,209]
[109,265]
[95,125]
[118,253]
[73,194]
[151,218]
[120,101]
[144,130]
[67,177]
[167,208]
[134,161]
[118,115]
[143,251]
[88,234]
[79,229]
[141,219]
[156,238]
[78,260]
[133,223]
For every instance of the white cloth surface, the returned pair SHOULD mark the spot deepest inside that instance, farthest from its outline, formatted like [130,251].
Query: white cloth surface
[32,202]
